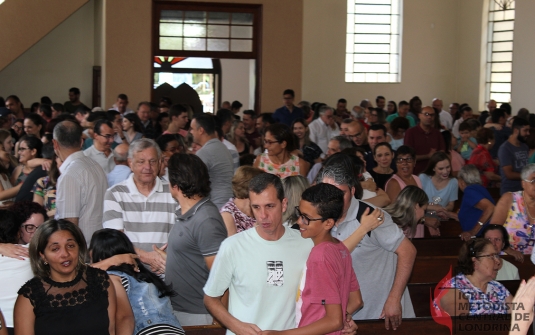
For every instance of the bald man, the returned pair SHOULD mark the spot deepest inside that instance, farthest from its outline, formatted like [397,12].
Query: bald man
[425,139]
[121,171]
[445,117]
[358,134]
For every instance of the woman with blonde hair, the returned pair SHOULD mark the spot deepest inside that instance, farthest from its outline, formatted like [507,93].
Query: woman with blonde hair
[408,209]
[237,137]
[237,213]
[294,187]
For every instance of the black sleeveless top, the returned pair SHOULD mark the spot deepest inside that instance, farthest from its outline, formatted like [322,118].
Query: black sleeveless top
[77,307]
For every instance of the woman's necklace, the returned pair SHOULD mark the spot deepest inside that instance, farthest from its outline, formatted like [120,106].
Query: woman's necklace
[527,208]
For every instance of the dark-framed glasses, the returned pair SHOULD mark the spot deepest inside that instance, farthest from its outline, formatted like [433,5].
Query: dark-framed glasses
[29,228]
[305,219]
[270,142]
[108,136]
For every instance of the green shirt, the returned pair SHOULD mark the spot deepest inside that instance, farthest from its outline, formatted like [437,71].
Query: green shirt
[390,118]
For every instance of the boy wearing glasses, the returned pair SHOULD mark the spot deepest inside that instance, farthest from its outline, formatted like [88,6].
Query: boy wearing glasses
[329,292]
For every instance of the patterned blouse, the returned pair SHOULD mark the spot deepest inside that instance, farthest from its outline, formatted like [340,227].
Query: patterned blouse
[519,227]
[490,302]
[290,168]
[482,159]
[44,188]
[242,220]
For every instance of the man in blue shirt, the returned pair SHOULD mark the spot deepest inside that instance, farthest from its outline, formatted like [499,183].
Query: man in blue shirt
[288,113]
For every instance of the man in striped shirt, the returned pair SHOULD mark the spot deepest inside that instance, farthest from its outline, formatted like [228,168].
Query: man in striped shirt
[142,206]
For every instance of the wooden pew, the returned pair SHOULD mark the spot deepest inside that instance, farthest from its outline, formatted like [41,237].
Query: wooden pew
[450,228]
[422,293]
[483,325]
[432,269]
[443,246]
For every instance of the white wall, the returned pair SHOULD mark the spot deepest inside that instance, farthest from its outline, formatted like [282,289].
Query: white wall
[61,60]
[238,81]
[523,57]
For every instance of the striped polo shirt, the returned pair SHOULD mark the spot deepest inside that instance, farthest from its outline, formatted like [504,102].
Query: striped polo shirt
[145,220]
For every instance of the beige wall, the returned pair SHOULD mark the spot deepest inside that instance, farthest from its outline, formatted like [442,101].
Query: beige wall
[24,22]
[523,56]
[59,61]
[238,81]
[428,58]
[128,49]
[127,45]
[470,72]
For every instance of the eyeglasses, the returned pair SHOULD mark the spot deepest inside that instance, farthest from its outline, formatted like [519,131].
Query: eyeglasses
[15,127]
[22,149]
[429,114]
[529,181]
[493,256]
[270,142]
[306,220]
[400,160]
[30,228]
[108,136]
[354,136]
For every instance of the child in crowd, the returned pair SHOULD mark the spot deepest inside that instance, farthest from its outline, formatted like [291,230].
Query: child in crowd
[329,292]
[467,143]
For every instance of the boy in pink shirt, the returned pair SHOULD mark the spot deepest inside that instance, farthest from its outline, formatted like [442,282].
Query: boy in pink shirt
[329,292]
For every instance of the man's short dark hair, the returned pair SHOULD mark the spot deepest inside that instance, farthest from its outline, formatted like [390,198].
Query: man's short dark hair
[342,100]
[99,124]
[206,121]
[289,92]
[506,108]
[176,110]
[189,174]
[74,90]
[225,115]
[46,100]
[122,96]
[466,109]
[236,104]
[95,116]
[376,127]
[403,103]
[327,199]
[267,118]
[519,123]
[58,107]
[111,114]
[497,114]
[379,97]
[68,134]
[262,181]
[46,109]
[250,112]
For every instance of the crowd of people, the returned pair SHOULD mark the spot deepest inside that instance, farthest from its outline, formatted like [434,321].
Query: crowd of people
[159,218]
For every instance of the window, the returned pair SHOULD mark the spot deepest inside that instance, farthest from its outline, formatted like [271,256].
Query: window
[206,31]
[373,44]
[499,68]
[202,74]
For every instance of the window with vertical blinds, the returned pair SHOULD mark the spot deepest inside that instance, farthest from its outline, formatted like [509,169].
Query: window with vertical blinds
[373,42]
[501,24]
